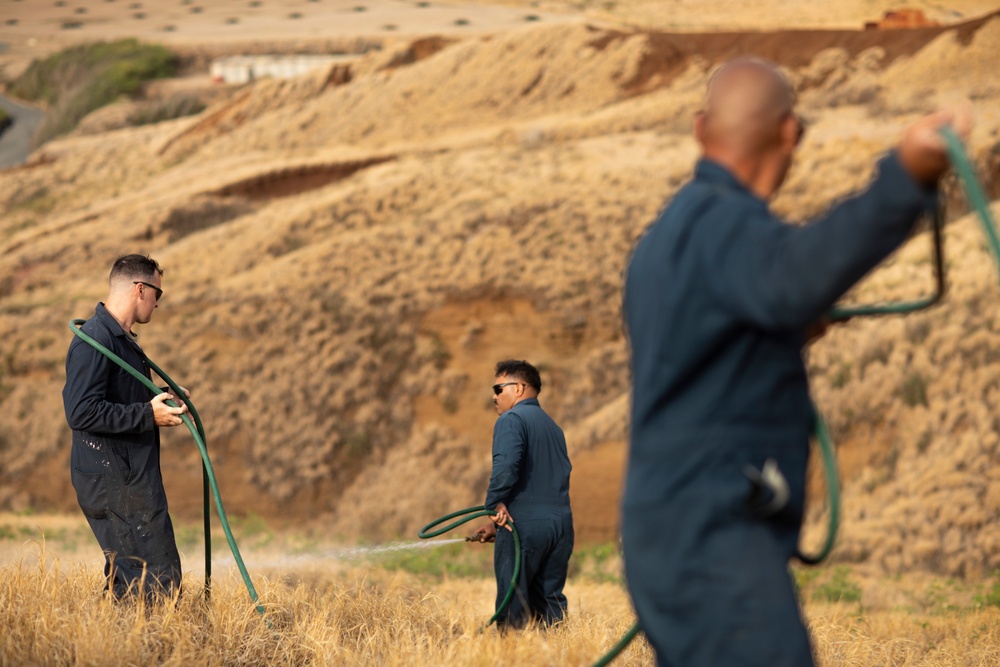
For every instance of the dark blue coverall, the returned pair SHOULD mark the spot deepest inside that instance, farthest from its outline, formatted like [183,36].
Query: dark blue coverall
[531,477]
[115,460]
[718,295]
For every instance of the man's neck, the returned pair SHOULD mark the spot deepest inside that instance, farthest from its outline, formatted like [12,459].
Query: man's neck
[760,176]
[122,315]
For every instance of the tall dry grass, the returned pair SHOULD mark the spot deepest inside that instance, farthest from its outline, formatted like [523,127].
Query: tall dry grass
[58,616]
[322,613]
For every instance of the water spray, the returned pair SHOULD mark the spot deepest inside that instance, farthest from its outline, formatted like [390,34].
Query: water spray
[352,553]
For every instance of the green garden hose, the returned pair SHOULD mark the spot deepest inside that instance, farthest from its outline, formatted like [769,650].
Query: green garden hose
[197,432]
[471,513]
[833,493]
[973,190]
[619,647]
[841,314]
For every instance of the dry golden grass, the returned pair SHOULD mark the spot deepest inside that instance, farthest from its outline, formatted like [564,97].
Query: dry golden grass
[323,611]
[326,614]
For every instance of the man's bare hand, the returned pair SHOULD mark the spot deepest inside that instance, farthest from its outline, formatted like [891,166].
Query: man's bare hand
[922,150]
[163,414]
[485,533]
[502,518]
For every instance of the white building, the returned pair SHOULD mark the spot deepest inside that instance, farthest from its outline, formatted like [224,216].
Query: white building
[242,69]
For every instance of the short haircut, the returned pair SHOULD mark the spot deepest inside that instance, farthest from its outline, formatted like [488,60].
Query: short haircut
[134,267]
[521,370]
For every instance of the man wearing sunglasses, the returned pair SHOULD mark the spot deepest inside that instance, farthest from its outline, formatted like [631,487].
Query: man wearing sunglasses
[529,487]
[719,299]
[115,459]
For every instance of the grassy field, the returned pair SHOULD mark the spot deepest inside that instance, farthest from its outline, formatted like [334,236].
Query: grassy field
[421,606]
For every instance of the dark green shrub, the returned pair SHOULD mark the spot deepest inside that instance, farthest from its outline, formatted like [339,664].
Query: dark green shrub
[80,79]
[913,390]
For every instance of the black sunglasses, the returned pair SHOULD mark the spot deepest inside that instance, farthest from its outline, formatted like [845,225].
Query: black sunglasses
[159,292]
[497,388]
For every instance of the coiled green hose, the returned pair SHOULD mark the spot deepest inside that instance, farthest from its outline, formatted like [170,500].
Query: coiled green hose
[471,513]
[197,432]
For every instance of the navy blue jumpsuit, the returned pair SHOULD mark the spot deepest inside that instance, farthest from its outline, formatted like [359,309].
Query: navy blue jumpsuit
[115,460]
[718,295]
[531,477]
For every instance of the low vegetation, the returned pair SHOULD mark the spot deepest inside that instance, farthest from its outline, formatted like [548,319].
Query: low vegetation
[174,106]
[75,81]
[373,605]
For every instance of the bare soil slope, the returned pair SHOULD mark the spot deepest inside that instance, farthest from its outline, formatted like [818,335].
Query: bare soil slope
[347,257]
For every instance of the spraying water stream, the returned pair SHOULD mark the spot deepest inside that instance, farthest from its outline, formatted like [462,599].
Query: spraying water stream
[345,554]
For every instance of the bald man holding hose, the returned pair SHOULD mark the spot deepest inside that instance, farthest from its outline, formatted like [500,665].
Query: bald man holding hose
[719,298]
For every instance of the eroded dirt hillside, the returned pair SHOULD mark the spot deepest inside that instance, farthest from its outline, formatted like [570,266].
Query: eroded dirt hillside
[348,255]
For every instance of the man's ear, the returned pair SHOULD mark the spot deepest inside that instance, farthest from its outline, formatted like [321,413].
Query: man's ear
[790,131]
[699,126]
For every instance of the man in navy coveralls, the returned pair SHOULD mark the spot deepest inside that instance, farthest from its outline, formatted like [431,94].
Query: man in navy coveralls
[719,295]
[115,460]
[529,487]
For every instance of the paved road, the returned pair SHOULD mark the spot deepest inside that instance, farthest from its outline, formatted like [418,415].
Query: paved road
[15,142]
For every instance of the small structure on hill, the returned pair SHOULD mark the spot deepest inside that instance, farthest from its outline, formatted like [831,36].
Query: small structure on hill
[243,69]
[901,18]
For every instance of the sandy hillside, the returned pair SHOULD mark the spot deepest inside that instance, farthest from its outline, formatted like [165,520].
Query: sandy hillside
[348,256]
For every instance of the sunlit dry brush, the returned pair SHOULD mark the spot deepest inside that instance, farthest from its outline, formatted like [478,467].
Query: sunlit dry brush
[913,401]
[356,617]
[326,613]
[56,616]
[845,638]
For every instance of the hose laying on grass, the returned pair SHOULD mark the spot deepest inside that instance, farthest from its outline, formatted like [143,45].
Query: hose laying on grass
[471,513]
[208,473]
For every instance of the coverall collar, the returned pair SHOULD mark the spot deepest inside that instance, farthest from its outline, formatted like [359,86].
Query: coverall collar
[108,320]
[712,172]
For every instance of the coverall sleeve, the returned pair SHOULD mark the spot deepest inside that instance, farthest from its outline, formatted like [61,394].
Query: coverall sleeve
[508,448]
[779,276]
[84,398]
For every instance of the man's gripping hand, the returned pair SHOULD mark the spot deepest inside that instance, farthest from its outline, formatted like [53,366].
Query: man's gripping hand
[163,414]
[485,533]
[502,518]
[922,150]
